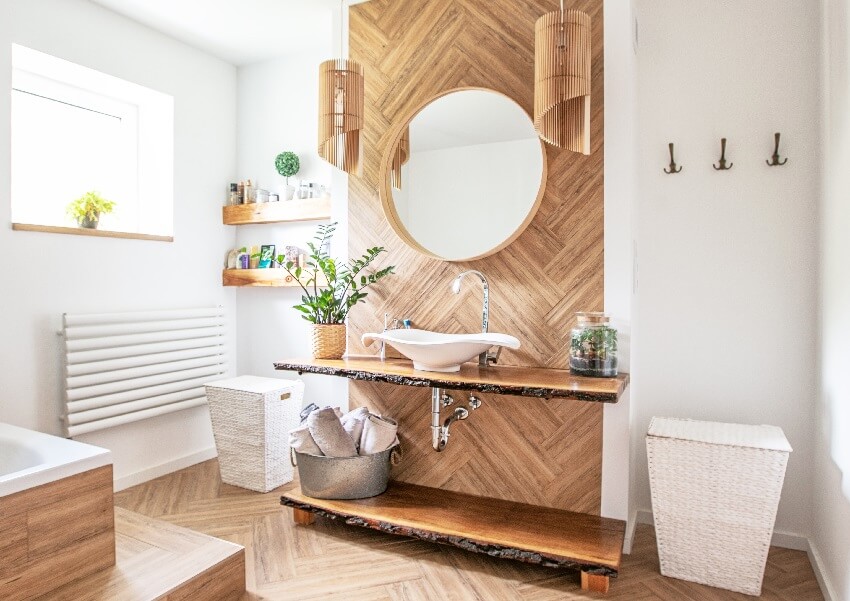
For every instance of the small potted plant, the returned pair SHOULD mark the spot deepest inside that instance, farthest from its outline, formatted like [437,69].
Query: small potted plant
[87,209]
[287,164]
[326,307]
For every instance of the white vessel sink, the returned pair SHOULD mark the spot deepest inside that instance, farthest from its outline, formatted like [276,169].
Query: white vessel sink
[435,351]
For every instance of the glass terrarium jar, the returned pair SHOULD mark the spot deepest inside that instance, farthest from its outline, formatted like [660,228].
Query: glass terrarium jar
[593,346]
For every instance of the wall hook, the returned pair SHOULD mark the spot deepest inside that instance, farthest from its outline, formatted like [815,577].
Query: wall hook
[774,160]
[672,168]
[722,165]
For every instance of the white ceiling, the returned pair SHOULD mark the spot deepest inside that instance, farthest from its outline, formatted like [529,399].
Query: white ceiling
[238,31]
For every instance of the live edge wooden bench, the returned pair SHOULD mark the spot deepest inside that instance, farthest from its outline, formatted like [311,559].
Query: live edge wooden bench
[506,529]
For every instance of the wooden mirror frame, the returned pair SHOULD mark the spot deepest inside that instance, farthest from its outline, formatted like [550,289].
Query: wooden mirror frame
[385,187]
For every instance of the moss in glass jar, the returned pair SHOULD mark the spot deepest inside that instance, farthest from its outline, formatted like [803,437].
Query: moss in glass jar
[593,347]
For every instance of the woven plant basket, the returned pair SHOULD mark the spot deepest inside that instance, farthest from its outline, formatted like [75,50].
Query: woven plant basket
[327,341]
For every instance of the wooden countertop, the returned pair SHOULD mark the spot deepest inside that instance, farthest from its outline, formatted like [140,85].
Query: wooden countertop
[536,382]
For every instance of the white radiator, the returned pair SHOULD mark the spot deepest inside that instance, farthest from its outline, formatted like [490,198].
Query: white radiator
[125,367]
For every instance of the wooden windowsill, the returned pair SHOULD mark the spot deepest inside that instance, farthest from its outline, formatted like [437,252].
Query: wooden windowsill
[80,231]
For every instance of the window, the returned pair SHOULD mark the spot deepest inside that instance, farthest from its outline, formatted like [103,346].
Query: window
[76,130]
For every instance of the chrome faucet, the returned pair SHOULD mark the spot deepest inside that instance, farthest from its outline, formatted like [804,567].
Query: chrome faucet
[391,324]
[386,327]
[485,358]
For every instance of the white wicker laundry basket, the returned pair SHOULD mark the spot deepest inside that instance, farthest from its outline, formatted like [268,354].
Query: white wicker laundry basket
[251,418]
[715,491]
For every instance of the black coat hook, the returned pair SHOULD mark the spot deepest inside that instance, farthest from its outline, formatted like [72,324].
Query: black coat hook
[722,165]
[774,160]
[673,168]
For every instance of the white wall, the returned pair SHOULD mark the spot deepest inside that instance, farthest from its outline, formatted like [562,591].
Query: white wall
[727,261]
[620,152]
[277,111]
[831,529]
[45,275]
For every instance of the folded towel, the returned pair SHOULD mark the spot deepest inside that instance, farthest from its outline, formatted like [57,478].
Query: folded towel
[379,434]
[301,441]
[307,411]
[352,422]
[327,431]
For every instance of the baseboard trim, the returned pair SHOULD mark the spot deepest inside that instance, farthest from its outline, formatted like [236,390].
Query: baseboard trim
[644,516]
[164,468]
[631,524]
[821,575]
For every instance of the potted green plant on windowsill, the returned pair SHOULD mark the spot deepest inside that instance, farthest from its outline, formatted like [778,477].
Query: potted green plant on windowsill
[287,165]
[326,307]
[87,209]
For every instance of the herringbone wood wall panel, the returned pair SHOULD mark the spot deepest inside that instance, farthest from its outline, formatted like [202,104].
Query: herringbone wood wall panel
[536,451]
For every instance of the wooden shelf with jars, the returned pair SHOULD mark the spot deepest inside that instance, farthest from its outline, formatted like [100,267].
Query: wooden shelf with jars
[308,209]
[277,277]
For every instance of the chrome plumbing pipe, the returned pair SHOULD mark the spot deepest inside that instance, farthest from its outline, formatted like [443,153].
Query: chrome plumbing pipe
[440,431]
[437,440]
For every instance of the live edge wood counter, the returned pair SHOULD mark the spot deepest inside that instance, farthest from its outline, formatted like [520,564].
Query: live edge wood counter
[506,529]
[536,382]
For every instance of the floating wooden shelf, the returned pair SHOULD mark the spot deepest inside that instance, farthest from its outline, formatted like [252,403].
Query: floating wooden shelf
[520,381]
[262,277]
[311,209]
[505,529]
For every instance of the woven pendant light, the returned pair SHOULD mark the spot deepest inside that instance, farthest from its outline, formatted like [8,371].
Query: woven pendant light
[562,79]
[400,157]
[341,90]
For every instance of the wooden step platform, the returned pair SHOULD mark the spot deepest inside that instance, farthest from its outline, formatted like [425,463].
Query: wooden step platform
[156,560]
[539,535]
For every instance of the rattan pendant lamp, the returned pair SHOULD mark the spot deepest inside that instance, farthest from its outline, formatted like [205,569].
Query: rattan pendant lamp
[341,92]
[562,79]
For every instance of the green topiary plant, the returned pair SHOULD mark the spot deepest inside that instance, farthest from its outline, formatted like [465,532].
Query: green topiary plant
[287,164]
[87,209]
[331,304]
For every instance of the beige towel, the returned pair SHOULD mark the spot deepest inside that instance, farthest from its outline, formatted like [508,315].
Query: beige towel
[379,434]
[352,422]
[327,431]
[301,441]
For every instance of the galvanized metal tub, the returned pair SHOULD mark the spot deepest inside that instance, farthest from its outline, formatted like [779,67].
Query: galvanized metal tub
[345,477]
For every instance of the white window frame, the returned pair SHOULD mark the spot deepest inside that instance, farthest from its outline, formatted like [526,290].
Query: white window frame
[147,124]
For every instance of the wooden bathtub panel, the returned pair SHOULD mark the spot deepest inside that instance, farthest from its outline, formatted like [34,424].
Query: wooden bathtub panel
[13,543]
[55,533]
[59,490]
[60,525]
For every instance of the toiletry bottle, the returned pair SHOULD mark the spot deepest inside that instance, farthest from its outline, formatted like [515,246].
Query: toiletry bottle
[240,192]
[233,198]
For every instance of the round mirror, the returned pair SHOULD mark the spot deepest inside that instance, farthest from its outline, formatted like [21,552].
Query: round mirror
[465,175]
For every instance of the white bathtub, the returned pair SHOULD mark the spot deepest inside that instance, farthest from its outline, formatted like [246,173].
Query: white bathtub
[29,458]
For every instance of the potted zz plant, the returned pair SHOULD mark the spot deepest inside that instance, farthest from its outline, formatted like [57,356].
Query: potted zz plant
[287,164]
[87,209]
[326,307]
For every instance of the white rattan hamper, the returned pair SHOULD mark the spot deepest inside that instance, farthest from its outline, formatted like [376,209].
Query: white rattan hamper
[715,491]
[251,419]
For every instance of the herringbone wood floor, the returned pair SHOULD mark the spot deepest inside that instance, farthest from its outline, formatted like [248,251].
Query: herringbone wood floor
[336,562]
